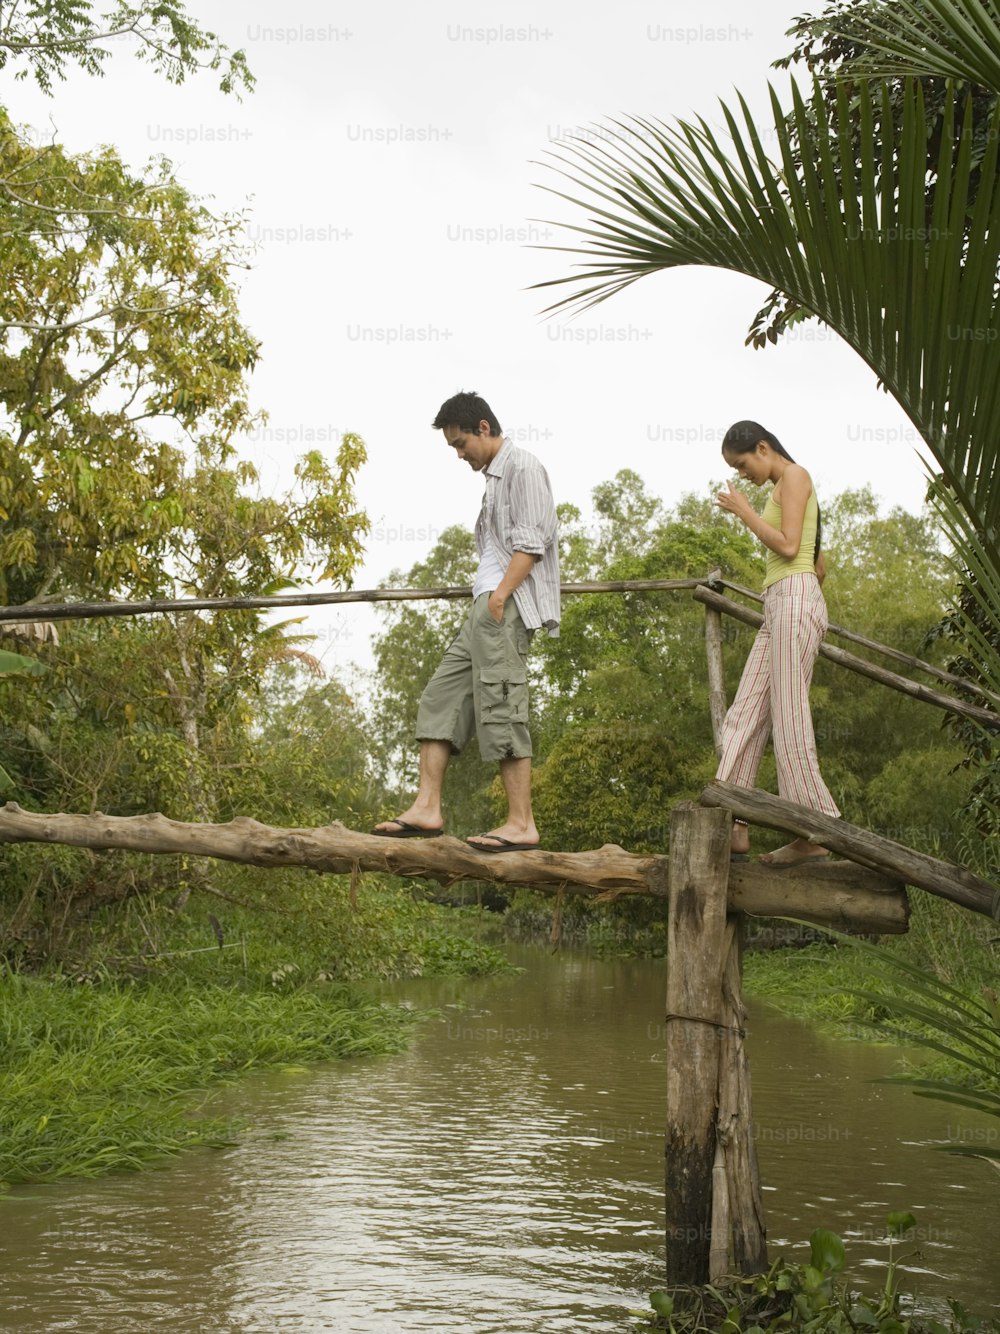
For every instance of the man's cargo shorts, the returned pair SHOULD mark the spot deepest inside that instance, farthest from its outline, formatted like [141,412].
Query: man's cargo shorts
[481,686]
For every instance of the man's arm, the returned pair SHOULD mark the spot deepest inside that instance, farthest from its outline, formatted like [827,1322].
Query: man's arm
[534,527]
[520,567]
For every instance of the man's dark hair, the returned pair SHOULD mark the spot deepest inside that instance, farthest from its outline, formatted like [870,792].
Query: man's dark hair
[466,411]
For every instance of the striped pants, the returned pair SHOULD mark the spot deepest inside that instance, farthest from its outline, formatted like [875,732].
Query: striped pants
[773,696]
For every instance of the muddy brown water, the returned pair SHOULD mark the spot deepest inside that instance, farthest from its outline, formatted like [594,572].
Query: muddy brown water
[504,1174]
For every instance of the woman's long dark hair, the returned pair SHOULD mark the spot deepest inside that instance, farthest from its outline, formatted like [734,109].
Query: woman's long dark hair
[742,437]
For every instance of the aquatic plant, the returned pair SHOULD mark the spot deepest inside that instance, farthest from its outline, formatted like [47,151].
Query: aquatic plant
[813,1298]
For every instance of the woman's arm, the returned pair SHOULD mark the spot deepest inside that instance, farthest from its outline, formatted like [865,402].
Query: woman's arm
[786,540]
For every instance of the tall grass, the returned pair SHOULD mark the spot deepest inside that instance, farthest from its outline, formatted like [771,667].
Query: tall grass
[103,1077]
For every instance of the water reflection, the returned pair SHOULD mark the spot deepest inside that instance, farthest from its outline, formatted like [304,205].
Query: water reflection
[505,1174]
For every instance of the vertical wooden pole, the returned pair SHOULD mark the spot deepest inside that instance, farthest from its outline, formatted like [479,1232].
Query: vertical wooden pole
[696,936]
[746,1235]
[716,674]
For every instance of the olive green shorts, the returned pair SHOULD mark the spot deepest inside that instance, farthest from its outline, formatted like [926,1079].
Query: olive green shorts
[481,686]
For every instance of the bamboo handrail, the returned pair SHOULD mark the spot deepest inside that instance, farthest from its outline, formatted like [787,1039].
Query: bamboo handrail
[985,717]
[701,588]
[947,880]
[897,655]
[73,611]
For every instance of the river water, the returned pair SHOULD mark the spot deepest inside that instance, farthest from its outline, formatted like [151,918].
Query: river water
[504,1174]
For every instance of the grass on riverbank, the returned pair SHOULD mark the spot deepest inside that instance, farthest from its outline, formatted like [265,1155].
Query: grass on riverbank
[98,1077]
[107,1056]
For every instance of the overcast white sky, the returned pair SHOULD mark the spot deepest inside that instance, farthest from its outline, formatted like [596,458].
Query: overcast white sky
[387,157]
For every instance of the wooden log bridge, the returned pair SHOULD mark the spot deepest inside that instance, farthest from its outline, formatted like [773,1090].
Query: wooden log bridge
[715,1221]
[837,893]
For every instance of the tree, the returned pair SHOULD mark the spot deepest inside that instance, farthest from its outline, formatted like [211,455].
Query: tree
[182,691]
[119,341]
[43,38]
[624,728]
[840,46]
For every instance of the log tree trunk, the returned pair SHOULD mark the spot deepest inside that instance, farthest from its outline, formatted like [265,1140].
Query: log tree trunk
[838,894]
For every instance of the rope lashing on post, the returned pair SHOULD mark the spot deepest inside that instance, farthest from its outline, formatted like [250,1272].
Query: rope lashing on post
[712,1023]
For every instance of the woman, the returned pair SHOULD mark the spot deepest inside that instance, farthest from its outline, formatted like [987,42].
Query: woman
[773,694]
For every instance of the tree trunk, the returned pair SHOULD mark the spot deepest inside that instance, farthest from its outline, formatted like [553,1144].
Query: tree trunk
[840,894]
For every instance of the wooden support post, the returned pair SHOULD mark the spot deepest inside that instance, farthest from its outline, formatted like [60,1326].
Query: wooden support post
[696,934]
[715,1217]
[744,1245]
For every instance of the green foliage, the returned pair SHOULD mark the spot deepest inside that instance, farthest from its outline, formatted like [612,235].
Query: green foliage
[947,1020]
[844,43]
[623,723]
[45,38]
[119,334]
[972,629]
[17,662]
[106,1060]
[812,1298]
[876,745]
[624,729]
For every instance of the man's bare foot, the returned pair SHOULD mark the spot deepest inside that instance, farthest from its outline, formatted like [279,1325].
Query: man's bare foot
[799,850]
[509,833]
[417,817]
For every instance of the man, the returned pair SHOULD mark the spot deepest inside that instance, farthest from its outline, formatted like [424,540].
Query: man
[481,685]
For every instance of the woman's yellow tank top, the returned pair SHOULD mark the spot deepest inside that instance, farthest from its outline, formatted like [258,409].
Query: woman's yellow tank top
[779,567]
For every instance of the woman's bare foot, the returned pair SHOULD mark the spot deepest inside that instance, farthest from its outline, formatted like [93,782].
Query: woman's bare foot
[799,850]
[740,839]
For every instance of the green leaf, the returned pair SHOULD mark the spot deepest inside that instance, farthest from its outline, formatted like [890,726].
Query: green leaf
[17,662]
[827,1251]
[661,1302]
[863,1315]
[900,1221]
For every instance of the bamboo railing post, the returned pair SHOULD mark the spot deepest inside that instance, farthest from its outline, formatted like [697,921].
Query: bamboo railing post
[716,672]
[696,933]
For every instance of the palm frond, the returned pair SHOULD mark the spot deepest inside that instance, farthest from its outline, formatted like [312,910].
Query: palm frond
[954,39]
[852,243]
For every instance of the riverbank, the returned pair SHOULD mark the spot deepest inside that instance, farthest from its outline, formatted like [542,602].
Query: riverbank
[107,1059]
[836,986]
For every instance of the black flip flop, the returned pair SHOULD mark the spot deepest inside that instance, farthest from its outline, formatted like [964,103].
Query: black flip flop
[407,831]
[503,845]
